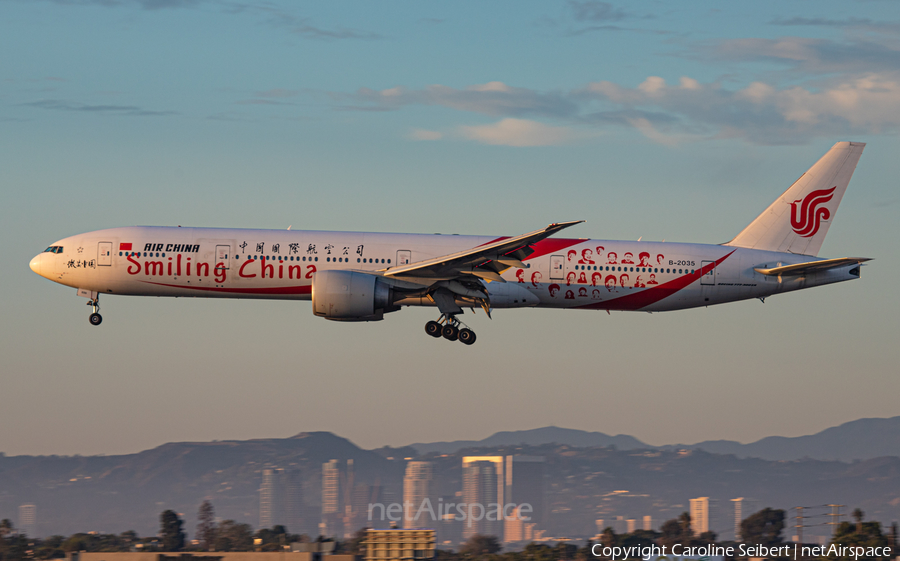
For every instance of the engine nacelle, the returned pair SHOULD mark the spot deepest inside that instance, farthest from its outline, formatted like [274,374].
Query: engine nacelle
[350,296]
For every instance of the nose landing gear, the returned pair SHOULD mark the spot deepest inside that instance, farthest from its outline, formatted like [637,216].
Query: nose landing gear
[95,318]
[448,327]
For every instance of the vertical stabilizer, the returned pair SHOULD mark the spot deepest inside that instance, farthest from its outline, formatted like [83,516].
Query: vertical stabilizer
[798,221]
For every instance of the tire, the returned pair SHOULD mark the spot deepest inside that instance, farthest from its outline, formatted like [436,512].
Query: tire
[450,332]
[433,328]
[466,336]
[95,319]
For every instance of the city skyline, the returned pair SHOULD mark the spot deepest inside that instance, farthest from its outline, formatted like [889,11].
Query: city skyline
[634,486]
[647,120]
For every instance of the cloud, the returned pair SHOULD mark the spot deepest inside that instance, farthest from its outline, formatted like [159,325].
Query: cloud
[304,26]
[759,112]
[422,134]
[810,56]
[274,15]
[519,132]
[862,24]
[492,98]
[99,109]
[594,11]
[144,4]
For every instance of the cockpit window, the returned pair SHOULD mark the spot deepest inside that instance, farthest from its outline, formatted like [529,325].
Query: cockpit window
[54,249]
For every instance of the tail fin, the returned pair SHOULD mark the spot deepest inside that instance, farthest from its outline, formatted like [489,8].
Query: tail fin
[798,221]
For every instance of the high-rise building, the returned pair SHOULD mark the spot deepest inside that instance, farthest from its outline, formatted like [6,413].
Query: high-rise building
[482,487]
[332,511]
[281,499]
[416,490]
[700,515]
[738,517]
[648,523]
[358,508]
[631,525]
[28,520]
[294,510]
[331,487]
[269,497]
[524,484]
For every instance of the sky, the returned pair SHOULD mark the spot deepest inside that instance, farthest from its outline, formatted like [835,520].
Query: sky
[647,119]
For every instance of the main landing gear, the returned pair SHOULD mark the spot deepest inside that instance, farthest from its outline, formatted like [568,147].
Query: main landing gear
[95,317]
[448,327]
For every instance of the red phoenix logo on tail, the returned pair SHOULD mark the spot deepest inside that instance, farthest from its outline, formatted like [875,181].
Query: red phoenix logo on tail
[807,218]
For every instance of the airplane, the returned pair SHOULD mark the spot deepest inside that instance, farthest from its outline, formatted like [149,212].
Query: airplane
[360,276]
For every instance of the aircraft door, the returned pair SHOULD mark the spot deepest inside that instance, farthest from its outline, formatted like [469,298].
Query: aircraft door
[404,256]
[104,254]
[557,267]
[710,277]
[223,254]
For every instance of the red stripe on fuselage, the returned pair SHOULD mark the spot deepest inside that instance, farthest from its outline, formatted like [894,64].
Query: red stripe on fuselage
[552,245]
[647,296]
[276,290]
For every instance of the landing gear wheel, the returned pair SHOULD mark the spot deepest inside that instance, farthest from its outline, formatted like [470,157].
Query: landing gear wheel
[433,328]
[450,332]
[466,336]
[96,319]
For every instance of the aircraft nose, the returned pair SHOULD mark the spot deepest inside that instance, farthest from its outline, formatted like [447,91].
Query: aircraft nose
[36,263]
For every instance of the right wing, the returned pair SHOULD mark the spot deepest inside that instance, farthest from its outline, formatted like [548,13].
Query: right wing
[484,261]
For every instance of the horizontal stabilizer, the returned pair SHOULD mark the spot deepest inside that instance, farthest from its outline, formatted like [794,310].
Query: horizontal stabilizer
[811,266]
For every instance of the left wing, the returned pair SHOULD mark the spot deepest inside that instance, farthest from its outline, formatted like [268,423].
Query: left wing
[485,261]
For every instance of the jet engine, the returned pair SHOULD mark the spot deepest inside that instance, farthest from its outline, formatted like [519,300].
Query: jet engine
[350,296]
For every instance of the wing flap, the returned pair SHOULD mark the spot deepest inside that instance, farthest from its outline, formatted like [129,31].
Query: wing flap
[811,266]
[484,261]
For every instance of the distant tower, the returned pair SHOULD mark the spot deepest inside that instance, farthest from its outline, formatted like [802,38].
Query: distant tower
[292,502]
[481,487]
[648,523]
[738,517]
[417,488]
[332,505]
[524,484]
[331,487]
[270,495]
[281,499]
[700,515]
[28,520]
[632,525]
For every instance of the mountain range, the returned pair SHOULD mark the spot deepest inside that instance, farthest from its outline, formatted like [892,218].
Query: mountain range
[855,440]
[586,475]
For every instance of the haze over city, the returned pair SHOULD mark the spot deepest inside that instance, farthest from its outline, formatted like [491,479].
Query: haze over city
[647,120]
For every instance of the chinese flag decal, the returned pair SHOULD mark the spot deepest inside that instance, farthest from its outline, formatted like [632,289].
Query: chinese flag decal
[124,247]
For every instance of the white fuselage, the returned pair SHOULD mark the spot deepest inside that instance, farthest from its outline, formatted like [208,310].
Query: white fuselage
[280,264]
